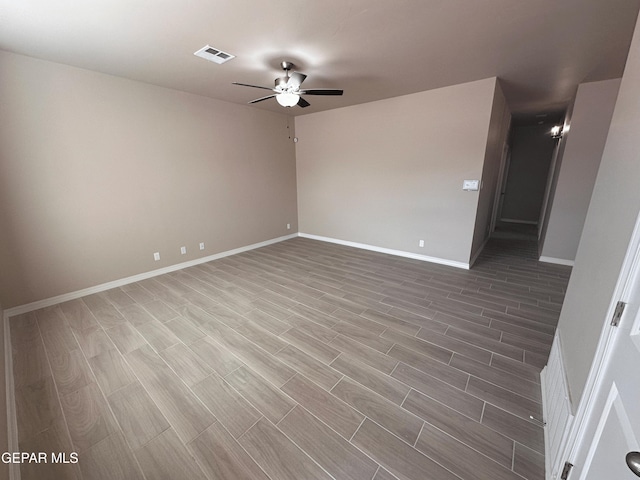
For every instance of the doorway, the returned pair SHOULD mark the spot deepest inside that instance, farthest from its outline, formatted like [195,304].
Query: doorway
[526,174]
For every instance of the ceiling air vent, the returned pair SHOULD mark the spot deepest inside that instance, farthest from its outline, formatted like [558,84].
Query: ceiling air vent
[213,54]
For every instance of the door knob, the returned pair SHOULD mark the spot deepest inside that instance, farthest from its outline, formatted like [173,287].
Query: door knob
[633,462]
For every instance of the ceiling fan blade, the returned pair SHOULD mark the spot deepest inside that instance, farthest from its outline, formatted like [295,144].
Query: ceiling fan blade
[263,98]
[252,86]
[321,91]
[303,103]
[296,79]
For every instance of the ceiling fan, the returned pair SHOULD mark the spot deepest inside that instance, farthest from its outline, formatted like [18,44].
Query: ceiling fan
[287,89]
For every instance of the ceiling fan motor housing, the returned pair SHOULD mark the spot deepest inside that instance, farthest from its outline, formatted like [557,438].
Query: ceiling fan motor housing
[287,66]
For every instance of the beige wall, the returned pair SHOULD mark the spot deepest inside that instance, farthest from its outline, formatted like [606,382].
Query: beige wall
[590,122]
[98,172]
[611,217]
[498,131]
[390,173]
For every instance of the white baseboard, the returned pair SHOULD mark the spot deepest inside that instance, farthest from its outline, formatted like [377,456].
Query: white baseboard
[558,261]
[47,302]
[524,222]
[400,253]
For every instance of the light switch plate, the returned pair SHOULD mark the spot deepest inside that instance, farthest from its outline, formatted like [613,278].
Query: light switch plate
[471,185]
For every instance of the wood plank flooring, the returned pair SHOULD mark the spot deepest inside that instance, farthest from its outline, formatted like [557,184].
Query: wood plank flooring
[300,360]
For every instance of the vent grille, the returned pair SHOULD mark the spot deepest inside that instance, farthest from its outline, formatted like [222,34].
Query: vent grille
[213,54]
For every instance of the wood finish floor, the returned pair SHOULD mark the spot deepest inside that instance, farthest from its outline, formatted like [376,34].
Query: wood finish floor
[300,360]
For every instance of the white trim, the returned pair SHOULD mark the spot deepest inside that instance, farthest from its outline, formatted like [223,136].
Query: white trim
[500,184]
[613,404]
[12,417]
[556,408]
[47,302]
[558,261]
[545,418]
[606,412]
[399,253]
[525,222]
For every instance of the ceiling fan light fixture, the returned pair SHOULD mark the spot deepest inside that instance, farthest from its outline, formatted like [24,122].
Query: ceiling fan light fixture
[287,91]
[287,99]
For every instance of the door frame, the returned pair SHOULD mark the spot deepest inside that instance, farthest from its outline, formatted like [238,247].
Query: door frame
[586,413]
[501,185]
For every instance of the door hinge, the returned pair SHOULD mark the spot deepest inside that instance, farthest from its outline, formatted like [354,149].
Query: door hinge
[565,471]
[617,313]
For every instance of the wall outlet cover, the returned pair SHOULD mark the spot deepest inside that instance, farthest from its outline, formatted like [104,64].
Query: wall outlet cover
[471,185]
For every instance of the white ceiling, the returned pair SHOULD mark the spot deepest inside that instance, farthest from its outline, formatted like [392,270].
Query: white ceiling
[373,49]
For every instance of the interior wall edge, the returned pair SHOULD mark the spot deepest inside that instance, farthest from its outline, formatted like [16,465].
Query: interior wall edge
[497,137]
[47,302]
[477,254]
[390,251]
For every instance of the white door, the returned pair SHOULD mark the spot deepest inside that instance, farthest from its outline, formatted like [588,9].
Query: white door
[613,426]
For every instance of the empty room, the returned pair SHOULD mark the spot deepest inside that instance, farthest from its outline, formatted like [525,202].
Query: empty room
[349,240]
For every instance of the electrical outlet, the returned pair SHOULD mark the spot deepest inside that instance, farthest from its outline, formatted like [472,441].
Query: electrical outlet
[183,250]
[421,243]
[156,256]
[201,245]
[288,226]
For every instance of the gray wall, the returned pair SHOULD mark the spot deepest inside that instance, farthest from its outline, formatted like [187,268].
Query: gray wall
[590,122]
[531,152]
[614,207]
[498,131]
[98,172]
[390,173]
